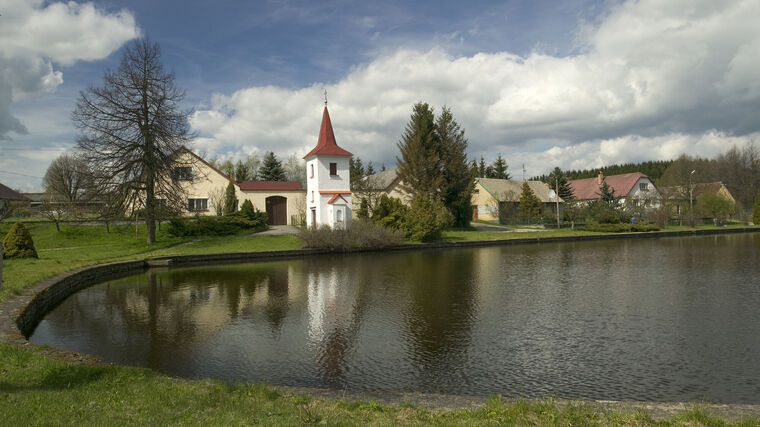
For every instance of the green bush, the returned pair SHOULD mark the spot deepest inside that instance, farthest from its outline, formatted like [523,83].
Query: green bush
[389,212]
[218,225]
[425,220]
[361,233]
[18,243]
[248,209]
[620,228]
[756,211]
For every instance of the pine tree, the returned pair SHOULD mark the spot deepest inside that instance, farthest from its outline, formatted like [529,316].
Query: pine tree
[557,179]
[606,193]
[356,171]
[370,170]
[482,170]
[499,169]
[419,167]
[230,201]
[271,169]
[530,206]
[458,181]
[242,172]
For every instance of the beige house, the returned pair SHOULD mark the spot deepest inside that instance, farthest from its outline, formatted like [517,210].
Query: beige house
[493,199]
[679,196]
[372,187]
[205,186]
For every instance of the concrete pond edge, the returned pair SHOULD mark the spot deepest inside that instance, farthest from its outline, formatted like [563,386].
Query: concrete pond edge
[20,314]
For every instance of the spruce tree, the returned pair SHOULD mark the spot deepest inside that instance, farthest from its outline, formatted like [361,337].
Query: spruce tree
[606,192]
[530,206]
[482,170]
[370,170]
[242,172]
[230,200]
[499,169]
[458,181]
[356,171]
[271,169]
[419,167]
[557,179]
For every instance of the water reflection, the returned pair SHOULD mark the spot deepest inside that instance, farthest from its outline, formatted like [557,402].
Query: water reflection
[652,319]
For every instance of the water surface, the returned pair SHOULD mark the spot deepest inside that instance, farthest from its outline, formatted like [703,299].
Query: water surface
[668,319]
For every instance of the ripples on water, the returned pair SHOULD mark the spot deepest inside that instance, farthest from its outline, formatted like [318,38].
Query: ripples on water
[652,319]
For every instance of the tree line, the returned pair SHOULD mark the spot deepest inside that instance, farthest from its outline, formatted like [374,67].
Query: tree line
[654,169]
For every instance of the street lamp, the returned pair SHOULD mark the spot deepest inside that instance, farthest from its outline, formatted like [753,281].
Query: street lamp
[691,192]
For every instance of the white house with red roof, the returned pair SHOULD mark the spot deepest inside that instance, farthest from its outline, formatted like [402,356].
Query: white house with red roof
[634,187]
[328,182]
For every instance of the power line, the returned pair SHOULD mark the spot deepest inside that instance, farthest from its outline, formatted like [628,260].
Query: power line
[20,174]
[34,149]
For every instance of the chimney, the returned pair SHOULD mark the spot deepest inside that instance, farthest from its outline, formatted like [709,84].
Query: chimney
[600,178]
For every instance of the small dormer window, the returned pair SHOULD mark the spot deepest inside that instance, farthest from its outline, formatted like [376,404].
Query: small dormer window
[333,169]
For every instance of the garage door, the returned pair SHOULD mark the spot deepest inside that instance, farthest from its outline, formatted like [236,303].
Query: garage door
[277,210]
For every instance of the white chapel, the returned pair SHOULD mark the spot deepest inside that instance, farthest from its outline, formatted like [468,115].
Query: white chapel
[328,181]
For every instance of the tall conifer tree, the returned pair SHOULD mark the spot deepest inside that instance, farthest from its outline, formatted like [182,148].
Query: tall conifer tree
[458,181]
[271,169]
[419,167]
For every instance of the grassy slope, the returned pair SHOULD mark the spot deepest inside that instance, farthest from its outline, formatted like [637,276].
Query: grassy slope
[36,388]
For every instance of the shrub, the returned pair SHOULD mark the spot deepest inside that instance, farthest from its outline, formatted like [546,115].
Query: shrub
[390,212]
[217,225]
[361,233]
[425,220]
[714,206]
[18,243]
[248,209]
[756,211]
[620,228]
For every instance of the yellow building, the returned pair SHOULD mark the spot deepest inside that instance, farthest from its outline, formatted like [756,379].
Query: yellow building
[494,197]
[205,186]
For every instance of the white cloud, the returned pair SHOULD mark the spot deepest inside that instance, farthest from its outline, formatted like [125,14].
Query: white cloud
[35,35]
[650,72]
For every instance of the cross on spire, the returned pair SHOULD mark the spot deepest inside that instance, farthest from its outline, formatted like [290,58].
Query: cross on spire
[325,97]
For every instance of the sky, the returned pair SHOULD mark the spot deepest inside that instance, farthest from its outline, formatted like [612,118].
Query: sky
[574,83]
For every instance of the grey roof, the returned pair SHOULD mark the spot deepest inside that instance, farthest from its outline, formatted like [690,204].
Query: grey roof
[506,190]
[10,194]
[382,180]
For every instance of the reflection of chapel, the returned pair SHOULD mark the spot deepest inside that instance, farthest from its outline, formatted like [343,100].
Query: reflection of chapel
[328,183]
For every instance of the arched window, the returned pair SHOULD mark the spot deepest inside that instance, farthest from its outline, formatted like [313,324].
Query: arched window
[339,215]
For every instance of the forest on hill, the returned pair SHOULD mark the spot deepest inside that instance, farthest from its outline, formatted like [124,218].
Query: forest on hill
[654,169]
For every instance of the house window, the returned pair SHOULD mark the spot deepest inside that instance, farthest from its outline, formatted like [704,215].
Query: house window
[333,169]
[340,216]
[183,173]
[647,203]
[311,168]
[635,202]
[644,186]
[197,205]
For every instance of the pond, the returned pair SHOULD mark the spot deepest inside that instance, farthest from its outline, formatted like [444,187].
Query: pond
[666,319]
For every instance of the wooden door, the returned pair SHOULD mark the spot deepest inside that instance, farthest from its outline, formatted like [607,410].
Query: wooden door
[277,210]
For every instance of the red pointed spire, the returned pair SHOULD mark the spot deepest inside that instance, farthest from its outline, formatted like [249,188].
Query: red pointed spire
[326,143]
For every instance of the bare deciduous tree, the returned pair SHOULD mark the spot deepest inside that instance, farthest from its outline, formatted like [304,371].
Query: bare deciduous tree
[130,130]
[216,199]
[70,178]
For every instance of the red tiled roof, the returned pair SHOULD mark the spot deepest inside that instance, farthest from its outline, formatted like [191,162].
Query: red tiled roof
[10,194]
[269,185]
[588,189]
[326,143]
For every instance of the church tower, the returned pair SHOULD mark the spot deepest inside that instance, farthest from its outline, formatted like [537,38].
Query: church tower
[328,181]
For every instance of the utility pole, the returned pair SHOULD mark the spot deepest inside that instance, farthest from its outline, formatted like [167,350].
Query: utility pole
[691,194]
[556,195]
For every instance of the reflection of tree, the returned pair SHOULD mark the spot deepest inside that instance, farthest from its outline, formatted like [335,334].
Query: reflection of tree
[149,317]
[277,301]
[441,310]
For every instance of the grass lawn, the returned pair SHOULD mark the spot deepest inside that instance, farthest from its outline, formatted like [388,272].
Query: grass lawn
[36,388]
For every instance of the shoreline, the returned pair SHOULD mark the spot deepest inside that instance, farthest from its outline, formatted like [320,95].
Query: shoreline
[20,314]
